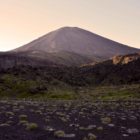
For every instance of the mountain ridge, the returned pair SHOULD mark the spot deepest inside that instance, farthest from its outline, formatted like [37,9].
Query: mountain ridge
[67,28]
[78,41]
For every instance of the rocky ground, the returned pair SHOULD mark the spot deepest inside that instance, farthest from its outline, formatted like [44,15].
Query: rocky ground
[69,120]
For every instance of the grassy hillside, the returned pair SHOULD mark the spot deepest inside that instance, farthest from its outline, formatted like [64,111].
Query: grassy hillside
[102,81]
[20,87]
[12,86]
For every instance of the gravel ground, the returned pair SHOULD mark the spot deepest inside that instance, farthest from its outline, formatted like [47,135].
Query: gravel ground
[69,120]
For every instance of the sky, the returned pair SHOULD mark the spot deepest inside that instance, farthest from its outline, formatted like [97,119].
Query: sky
[22,21]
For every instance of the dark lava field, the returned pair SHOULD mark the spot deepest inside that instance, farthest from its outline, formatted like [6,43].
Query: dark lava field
[69,120]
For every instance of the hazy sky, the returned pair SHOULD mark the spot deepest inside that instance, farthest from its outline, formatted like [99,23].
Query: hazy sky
[22,21]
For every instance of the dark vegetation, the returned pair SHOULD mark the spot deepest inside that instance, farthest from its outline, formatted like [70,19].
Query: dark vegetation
[108,73]
[67,82]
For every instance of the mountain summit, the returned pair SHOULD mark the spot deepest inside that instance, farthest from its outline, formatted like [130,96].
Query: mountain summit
[73,46]
[74,39]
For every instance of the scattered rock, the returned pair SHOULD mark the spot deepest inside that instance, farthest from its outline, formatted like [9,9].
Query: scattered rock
[132,131]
